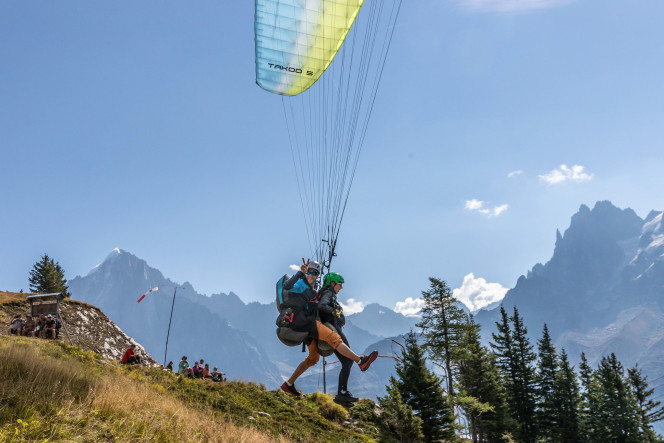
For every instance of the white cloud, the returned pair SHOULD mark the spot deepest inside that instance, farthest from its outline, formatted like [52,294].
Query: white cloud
[479,206]
[410,307]
[352,306]
[294,268]
[514,173]
[476,293]
[499,210]
[510,5]
[565,174]
[474,204]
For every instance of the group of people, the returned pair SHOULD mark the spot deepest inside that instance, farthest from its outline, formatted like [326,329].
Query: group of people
[321,308]
[46,326]
[199,370]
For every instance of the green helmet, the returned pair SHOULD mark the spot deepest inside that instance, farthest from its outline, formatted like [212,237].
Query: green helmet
[333,277]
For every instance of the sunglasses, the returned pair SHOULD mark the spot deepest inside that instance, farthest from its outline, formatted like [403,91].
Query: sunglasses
[313,272]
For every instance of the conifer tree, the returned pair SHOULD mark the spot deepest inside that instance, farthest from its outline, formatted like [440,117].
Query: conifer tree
[589,409]
[503,347]
[547,367]
[421,390]
[47,276]
[566,400]
[481,395]
[618,419]
[648,410]
[398,417]
[443,326]
[525,379]
[515,358]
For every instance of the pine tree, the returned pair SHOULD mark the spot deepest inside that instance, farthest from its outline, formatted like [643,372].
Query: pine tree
[481,395]
[47,276]
[547,367]
[566,400]
[647,408]
[589,408]
[421,390]
[523,382]
[398,417]
[443,326]
[618,419]
[503,346]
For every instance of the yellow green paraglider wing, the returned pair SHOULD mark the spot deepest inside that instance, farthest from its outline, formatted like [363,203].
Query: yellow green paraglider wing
[296,40]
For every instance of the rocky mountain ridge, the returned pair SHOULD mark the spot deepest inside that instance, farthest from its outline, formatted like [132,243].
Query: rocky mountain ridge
[601,292]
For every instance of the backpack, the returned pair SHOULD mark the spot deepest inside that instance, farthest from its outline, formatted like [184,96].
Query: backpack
[288,307]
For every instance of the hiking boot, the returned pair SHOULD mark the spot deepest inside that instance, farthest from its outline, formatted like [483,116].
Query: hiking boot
[290,389]
[366,360]
[347,397]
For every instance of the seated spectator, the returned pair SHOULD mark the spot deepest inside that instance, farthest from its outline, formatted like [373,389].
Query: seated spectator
[206,371]
[16,325]
[41,324]
[29,326]
[197,370]
[50,327]
[183,366]
[129,357]
[58,325]
[169,366]
[217,376]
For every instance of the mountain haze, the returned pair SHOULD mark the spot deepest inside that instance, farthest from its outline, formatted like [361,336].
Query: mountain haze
[118,282]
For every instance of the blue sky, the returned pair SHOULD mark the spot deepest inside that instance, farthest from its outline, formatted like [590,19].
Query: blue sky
[138,125]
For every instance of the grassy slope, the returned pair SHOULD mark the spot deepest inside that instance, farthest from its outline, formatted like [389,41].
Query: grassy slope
[49,390]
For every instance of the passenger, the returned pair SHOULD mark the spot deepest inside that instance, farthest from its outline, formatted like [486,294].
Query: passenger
[332,312]
[302,283]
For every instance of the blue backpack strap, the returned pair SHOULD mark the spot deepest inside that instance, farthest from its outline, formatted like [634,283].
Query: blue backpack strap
[280,291]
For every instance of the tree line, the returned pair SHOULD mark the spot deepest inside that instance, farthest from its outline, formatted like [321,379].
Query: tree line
[511,391]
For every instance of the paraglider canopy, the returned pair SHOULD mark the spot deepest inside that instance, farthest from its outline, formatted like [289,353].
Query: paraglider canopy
[296,40]
[325,58]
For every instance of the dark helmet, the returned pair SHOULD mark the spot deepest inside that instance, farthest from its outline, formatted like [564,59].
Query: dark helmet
[333,277]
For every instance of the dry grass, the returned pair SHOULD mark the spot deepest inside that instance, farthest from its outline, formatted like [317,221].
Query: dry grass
[8,297]
[146,413]
[47,394]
